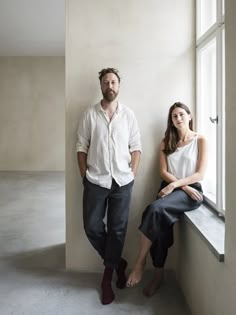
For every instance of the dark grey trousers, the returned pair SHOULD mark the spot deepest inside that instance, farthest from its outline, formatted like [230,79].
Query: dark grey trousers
[98,202]
[158,220]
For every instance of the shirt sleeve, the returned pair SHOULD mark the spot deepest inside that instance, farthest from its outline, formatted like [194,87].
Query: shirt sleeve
[83,134]
[135,138]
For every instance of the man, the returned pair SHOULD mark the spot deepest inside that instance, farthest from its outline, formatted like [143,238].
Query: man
[108,150]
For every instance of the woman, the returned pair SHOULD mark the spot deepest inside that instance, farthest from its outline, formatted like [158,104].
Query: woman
[183,156]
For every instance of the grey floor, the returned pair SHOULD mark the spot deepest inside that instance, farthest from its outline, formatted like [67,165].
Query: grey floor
[33,279]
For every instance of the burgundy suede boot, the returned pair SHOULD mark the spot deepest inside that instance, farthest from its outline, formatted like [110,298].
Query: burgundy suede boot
[107,292]
[120,270]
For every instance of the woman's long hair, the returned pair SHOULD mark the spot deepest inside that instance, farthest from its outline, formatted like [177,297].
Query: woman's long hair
[171,135]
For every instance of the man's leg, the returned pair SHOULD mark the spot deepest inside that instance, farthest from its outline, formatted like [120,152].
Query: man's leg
[94,209]
[117,219]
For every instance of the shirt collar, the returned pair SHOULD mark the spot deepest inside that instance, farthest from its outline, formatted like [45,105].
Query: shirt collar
[100,109]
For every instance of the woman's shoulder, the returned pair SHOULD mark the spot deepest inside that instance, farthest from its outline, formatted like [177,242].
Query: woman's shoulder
[162,144]
[201,139]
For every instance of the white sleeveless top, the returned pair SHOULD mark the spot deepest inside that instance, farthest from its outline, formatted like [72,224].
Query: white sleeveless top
[183,161]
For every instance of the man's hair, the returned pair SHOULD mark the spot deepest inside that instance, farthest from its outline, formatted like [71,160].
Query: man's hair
[108,70]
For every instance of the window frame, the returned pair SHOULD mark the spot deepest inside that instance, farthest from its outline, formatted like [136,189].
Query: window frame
[215,31]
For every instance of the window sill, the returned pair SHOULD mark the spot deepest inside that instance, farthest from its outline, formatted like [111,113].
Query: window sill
[210,227]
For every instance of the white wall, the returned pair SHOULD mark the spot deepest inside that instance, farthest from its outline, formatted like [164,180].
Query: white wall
[151,43]
[210,286]
[32,119]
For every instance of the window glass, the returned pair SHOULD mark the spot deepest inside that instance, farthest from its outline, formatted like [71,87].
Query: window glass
[207,112]
[206,15]
[210,49]
[223,120]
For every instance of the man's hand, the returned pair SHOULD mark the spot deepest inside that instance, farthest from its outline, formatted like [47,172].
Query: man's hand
[82,160]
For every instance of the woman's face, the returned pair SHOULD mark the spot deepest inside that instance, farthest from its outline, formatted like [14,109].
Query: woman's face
[180,118]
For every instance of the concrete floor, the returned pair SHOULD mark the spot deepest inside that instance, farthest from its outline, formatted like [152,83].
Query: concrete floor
[33,280]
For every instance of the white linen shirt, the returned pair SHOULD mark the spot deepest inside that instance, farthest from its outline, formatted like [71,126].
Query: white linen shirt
[108,144]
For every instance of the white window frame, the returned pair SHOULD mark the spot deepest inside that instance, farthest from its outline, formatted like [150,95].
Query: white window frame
[215,31]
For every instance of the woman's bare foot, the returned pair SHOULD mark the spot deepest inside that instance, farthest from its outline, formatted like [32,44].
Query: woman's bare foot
[154,284]
[136,275]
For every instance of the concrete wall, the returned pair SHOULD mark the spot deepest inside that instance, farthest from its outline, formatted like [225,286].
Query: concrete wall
[209,286]
[32,119]
[152,44]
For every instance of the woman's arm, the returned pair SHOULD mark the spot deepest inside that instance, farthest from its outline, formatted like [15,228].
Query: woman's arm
[165,175]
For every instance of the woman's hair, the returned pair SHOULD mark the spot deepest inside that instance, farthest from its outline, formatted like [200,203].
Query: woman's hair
[171,135]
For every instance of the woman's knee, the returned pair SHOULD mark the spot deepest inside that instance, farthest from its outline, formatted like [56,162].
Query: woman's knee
[154,209]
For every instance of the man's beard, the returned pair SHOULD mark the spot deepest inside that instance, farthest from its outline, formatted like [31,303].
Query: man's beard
[109,95]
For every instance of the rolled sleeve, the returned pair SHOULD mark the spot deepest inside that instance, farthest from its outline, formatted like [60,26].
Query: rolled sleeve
[81,145]
[135,138]
[83,135]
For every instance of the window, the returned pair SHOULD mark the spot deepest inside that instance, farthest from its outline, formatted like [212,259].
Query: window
[210,110]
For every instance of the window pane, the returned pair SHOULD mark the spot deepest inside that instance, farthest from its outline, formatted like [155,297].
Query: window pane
[206,15]
[223,114]
[207,109]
